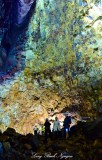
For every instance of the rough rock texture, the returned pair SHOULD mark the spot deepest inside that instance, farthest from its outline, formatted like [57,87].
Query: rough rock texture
[16,146]
[63,56]
[95,129]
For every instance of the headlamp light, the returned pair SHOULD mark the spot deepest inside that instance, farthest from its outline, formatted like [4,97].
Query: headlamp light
[66,129]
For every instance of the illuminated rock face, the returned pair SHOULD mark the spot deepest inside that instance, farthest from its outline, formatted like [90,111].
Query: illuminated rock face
[63,56]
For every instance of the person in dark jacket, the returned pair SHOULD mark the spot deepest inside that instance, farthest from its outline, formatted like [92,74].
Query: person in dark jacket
[66,125]
[47,129]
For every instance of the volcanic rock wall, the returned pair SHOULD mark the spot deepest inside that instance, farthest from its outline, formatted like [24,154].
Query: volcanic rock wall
[63,55]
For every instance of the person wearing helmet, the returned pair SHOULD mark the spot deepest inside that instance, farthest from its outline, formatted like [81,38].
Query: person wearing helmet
[47,129]
[56,127]
[66,125]
[42,130]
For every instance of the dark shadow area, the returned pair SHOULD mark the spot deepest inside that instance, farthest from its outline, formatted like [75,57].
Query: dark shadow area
[14,37]
[17,146]
[23,147]
[84,137]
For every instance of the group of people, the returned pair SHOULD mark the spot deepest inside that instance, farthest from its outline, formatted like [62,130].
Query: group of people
[56,130]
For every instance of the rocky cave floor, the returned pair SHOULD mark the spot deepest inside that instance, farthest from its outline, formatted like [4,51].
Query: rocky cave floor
[80,145]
